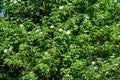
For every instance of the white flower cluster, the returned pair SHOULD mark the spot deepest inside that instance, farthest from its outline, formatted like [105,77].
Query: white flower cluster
[39,31]
[61,30]
[6,50]
[66,32]
[95,67]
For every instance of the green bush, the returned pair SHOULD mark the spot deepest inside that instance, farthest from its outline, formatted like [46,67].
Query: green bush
[60,40]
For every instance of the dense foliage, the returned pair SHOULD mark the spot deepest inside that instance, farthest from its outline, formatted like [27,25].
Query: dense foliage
[60,40]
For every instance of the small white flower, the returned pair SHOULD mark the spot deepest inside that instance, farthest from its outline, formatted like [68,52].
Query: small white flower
[69,3]
[67,32]
[29,32]
[14,1]
[11,18]
[21,25]
[60,29]
[87,17]
[106,73]
[61,7]
[95,68]
[52,26]
[116,64]
[37,31]
[93,62]
[117,24]
[10,48]
[5,50]
[4,3]
[41,32]
[46,53]
[106,26]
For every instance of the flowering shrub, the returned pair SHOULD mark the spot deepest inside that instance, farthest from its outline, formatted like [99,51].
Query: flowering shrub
[60,40]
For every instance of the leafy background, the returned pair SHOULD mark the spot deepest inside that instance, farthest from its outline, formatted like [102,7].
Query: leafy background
[60,40]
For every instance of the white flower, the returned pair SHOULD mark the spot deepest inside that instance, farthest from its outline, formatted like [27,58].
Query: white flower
[95,68]
[5,50]
[29,32]
[93,62]
[52,26]
[46,53]
[60,29]
[106,26]
[69,3]
[4,3]
[106,73]
[67,32]
[10,48]
[61,7]
[21,25]
[116,64]
[37,31]
[15,1]
[41,32]
[117,24]
[87,17]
